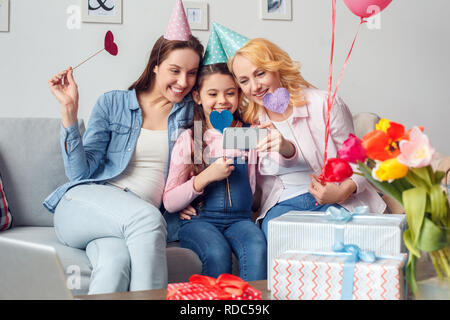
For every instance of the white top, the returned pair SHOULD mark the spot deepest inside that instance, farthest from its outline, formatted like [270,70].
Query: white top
[145,174]
[296,179]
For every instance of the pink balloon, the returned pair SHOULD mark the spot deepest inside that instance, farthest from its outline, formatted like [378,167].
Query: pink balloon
[366,8]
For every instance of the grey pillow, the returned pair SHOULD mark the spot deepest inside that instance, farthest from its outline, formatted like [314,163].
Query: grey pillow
[5,214]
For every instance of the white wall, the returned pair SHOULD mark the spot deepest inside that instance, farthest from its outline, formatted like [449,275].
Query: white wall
[400,72]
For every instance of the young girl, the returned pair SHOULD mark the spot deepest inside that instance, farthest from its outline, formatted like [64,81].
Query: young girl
[219,183]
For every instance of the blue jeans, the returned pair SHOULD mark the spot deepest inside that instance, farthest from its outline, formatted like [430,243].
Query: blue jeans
[222,226]
[124,237]
[214,240]
[303,202]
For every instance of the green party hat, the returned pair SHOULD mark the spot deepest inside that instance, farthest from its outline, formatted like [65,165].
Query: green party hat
[231,41]
[214,50]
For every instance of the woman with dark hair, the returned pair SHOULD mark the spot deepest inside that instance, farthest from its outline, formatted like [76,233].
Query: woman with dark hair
[118,170]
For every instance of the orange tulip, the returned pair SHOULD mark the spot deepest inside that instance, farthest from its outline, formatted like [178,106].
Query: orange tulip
[382,144]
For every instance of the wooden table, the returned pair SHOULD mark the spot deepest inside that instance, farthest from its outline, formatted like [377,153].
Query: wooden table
[160,294]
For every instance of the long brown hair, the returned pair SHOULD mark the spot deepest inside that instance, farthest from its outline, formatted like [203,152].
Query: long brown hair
[160,52]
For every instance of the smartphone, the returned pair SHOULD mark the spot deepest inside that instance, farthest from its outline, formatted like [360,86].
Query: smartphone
[243,138]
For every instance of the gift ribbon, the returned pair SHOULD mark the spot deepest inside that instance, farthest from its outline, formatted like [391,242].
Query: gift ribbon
[341,216]
[225,286]
[356,254]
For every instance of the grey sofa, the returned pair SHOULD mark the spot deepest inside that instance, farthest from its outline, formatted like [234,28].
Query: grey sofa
[31,166]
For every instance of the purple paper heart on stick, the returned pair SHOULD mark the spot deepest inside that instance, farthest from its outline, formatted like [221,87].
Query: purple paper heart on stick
[278,101]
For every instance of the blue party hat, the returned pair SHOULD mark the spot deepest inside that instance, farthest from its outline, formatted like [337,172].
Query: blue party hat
[231,41]
[214,50]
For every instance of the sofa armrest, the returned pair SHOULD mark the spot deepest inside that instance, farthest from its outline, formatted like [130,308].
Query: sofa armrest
[441,162]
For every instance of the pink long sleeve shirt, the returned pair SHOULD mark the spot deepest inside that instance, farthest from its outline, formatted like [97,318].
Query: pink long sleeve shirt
[309,128]
[179,190]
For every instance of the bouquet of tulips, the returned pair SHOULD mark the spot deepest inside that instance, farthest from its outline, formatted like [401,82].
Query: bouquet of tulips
[398,163]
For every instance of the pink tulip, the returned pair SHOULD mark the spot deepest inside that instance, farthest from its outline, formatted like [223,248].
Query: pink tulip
[352,150]
[417,152]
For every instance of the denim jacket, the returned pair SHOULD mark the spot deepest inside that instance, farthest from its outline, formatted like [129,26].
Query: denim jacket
[110,139]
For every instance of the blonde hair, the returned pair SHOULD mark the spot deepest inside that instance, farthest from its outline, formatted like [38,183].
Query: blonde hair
[268,56]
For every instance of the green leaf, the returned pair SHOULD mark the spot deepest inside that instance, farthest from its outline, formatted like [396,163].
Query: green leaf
[438,208]
[411,273]
[385,187]
[431,237]
[408,240]
[438,176]
[423,174]
[414,202]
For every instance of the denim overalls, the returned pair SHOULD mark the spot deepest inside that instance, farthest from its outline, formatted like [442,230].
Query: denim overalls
[221,227]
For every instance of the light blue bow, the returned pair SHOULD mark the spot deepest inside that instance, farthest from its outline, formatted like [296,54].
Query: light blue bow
[356,254]
[343,215]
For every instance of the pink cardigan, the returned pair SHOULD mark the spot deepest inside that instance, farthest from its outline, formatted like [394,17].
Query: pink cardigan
[179,190]
[309,127]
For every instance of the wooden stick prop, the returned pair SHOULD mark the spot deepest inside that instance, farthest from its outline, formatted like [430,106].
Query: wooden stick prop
[110,46]
[220,121]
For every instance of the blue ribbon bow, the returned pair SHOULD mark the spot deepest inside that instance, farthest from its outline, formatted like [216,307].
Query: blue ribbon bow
[343,215]
[356,254]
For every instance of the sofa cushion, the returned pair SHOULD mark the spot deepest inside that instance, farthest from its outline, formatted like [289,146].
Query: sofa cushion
[5,214]
[364,122]
[32,166]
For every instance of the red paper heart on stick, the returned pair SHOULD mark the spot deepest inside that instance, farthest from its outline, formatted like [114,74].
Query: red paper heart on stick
[110,45]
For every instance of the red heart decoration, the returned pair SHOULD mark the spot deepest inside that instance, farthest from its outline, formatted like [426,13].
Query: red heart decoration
[110,46]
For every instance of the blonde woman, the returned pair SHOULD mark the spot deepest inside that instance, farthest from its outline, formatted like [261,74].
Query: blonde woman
[261,67]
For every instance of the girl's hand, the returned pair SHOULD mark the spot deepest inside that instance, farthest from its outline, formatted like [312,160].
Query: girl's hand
[220,169]
[275,142]
[217,171]
[187,212]
[65,89]
[330,192]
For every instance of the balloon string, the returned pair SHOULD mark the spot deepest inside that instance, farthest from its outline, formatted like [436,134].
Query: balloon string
[331,98]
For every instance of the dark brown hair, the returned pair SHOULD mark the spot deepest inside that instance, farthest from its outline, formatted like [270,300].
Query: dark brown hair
[160,52]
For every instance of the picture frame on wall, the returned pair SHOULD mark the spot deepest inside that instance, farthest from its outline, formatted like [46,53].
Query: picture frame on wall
[101,11]
[276,9]
[197,14]
[4,15]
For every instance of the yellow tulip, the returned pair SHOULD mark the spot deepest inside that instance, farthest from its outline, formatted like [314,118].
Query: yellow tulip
[389,170]
[383,125]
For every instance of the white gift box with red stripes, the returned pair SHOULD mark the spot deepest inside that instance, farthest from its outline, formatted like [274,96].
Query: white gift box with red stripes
[298,275]
[307,231]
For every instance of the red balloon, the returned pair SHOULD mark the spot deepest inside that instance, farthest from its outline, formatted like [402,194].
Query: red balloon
[366,8]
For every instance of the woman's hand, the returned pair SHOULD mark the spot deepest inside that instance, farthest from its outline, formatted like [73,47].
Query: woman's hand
[275,142]
[217,171]
[187,212]
[330,192]
[65,89]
